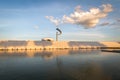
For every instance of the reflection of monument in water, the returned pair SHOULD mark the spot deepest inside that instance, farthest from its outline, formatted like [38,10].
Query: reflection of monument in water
[46,54]
[50,54]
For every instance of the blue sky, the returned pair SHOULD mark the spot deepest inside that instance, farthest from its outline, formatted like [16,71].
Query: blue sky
[26,20]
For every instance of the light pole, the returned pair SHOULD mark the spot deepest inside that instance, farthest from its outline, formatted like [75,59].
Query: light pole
[58,32]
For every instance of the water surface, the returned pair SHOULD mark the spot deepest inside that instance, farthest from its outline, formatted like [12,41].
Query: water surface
[59,65]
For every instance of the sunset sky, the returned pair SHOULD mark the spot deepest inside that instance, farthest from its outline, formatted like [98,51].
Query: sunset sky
[79,20]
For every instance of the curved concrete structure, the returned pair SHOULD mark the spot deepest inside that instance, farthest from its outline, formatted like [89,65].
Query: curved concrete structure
[56,45]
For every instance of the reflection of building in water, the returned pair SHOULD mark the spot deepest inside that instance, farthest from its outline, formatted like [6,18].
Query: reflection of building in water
[13,53]
[47,54]
[50,54]
[30,53]
[84,51]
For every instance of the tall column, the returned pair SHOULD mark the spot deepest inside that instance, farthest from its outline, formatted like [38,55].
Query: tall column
[56,36]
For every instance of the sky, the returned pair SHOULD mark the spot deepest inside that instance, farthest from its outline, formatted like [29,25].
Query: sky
[79,20]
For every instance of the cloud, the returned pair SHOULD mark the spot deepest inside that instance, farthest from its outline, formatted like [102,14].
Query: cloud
[89,18]
[53,20]
[116,24]
[104,24]
[118,20]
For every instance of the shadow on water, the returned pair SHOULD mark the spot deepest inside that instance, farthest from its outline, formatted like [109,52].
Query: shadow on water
[84,64]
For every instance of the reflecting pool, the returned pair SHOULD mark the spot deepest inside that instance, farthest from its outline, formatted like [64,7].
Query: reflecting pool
[66,64]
